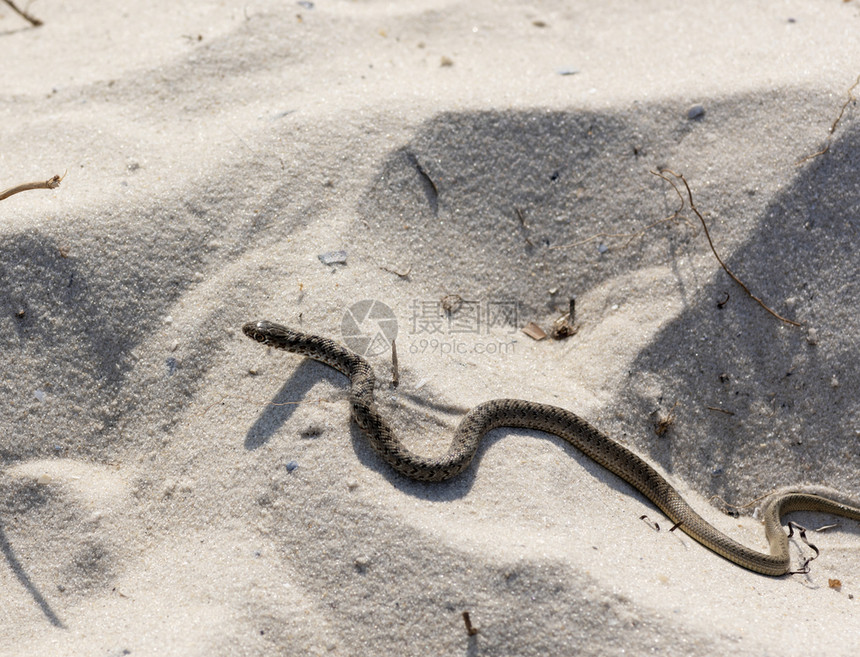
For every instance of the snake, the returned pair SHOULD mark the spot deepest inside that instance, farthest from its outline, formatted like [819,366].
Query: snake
[517,413]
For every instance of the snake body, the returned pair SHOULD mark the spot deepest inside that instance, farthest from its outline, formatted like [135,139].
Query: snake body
[560,422]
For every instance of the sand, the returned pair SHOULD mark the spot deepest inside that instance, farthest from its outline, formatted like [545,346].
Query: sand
[169,487]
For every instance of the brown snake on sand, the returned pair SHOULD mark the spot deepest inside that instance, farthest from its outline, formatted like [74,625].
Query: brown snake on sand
[560,422]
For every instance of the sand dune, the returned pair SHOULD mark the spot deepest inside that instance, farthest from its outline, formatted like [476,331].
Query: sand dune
[168,487]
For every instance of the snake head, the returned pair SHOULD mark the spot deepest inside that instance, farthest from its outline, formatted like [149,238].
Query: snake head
[259,331]
[269,333]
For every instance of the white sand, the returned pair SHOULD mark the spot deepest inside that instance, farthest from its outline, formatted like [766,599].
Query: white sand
[146,507]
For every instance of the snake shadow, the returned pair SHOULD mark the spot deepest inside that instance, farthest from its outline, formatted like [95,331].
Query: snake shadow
[308,373]
[285,402]
[460,485]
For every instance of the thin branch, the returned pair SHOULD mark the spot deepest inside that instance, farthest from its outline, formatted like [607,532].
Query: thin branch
[596,236]
[719,410]
[51,183]
[632,236]
[833,127]
[35,22]
[258,402]
[845,104]
[404,274]
[471,630]
[395,370]
[693,207]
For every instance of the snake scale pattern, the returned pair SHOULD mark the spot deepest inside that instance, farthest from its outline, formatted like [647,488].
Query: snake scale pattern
[560,422]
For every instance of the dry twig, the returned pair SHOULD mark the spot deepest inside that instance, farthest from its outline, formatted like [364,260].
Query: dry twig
[661,174]
[404,274]
[720,410]
[51,183]
[804,568]
[523,225]
[35,22]
[835,123]
[565,325]
[743,507]
[471,630]
[258,402]
[395,370]
[652,524]
[632,236]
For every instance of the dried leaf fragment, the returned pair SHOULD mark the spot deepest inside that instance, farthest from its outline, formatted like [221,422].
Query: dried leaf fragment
[534,331]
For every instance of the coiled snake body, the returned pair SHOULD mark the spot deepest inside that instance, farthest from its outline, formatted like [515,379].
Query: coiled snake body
[551,419]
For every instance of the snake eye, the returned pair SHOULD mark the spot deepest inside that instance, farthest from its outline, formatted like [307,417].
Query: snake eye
[252,330]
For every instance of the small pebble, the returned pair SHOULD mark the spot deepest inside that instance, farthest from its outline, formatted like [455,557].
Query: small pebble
[812,336]
[168,489]
[44,479]
[567,71]
[695,111]
[446,61]
[292,465]
[602,248]
[333,257]
[362,562]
